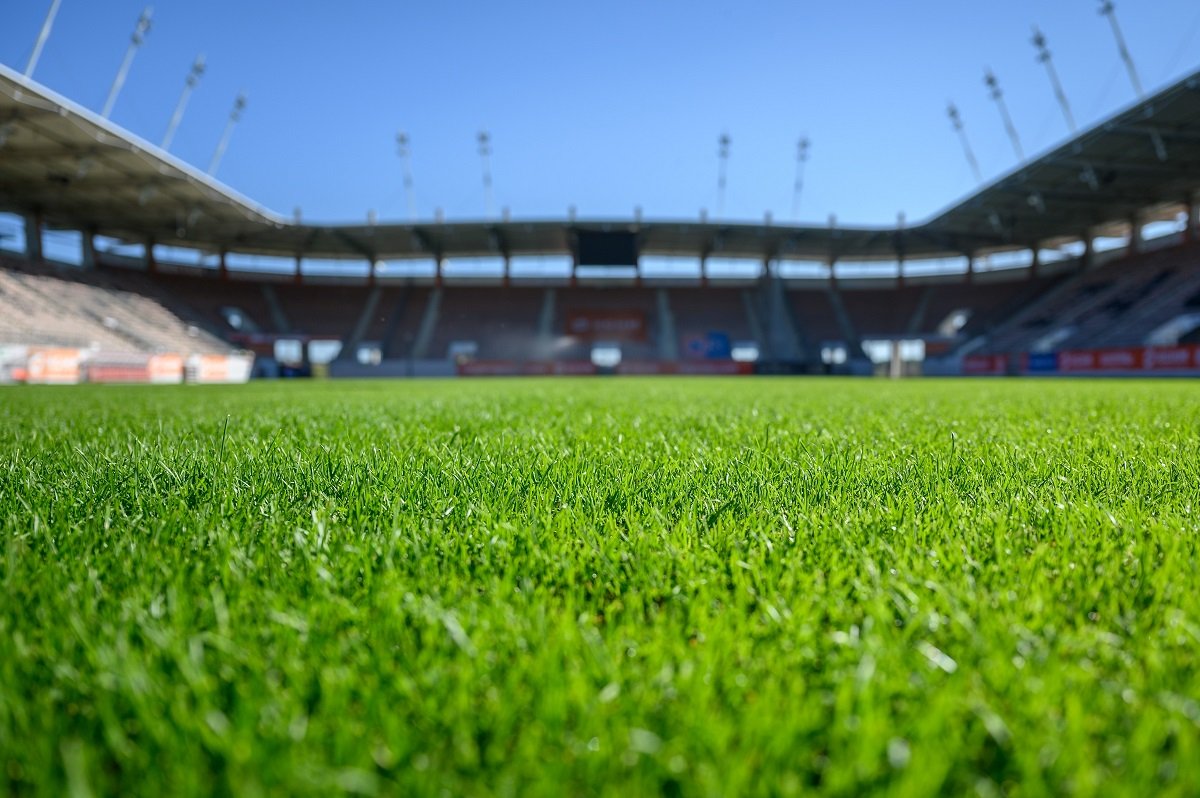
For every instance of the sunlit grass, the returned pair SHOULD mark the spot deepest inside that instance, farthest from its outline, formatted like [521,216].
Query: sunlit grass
[633,586]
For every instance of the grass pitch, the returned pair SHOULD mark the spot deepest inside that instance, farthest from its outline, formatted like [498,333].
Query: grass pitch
[633,586]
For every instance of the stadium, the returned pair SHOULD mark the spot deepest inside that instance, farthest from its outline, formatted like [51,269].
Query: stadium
[287,565]
[1009,280]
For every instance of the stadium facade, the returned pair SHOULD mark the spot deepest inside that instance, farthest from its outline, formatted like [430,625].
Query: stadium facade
[1084,260]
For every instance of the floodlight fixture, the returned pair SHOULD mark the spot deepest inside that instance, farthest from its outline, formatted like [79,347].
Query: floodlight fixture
[956,121]
[722,160]
[43,34]
[1039,43]
[485,153]
[1107,9]
[189,84]
[993,85]
[801,159]
[402,149]
[239,105]
[135,41]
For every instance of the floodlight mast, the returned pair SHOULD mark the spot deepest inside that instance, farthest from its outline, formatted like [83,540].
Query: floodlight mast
[801,160]
[722,160]
[485,153]
[956,120]
[1039,42]
[189,85]
[41,39]
[239,105]
[989,80]
[1107,9]
[135,41]
[406,166]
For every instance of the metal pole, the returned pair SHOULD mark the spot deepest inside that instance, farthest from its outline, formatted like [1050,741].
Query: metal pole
[801,159]
[135,41]
[485,152]
[722,159]
[192,79]
[1107,9]
[1039,42]
[956,120]
[989,80]
[406,166]
[41,39]
[239,105]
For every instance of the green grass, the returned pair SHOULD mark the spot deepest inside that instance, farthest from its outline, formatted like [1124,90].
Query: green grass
[620,587]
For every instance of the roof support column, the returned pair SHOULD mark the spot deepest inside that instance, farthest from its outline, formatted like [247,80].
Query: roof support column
[970,268]
[33,236]
[1192,223]
[151,263]
[88,247]
[437,270]
[297,275]
[507,270]
[1135,235]
[704,269]
[372,264]
[222,266]
[1089,251]
[900,224]
[1035,263]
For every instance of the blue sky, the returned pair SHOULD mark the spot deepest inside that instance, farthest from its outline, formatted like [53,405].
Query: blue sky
[605,105]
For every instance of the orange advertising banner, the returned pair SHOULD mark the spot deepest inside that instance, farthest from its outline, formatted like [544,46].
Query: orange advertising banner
[54,366]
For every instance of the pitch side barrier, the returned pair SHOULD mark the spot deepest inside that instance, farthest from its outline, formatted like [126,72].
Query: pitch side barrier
[55,365]
[509,368]
[1141,361]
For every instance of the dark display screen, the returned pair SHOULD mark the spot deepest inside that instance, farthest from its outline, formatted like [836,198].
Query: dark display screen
[607,249]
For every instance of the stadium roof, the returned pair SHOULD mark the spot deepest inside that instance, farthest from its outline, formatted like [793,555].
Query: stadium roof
[80,171]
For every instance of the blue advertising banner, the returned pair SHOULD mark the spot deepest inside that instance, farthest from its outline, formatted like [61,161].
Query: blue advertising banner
[1042,362]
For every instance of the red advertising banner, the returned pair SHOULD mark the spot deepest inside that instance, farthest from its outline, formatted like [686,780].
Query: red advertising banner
[985,364]
[575,368]
[607,325]
[1094,360]
[643,367]
[1171,358]
[1072,361]
[724,367]
[116,371]
[1183,358]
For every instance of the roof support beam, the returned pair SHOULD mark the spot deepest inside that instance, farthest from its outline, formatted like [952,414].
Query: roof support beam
[1141,167]
[1167,133]
[354,244]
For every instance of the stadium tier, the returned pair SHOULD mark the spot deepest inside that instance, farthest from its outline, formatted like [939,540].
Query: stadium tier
[404,326]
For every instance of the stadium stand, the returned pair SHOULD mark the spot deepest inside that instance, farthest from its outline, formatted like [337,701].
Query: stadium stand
[816,314]
[502,324]
[1122,303]
[1149,298]
[628,315]
[210,301]
[714,309]
[45,305]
